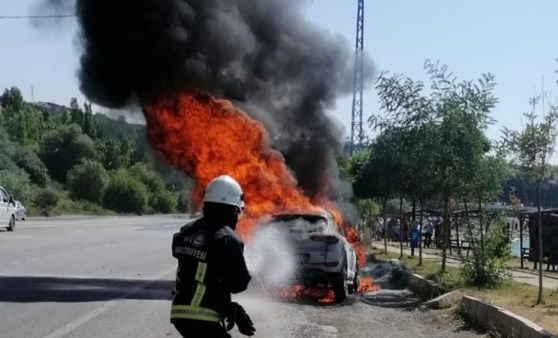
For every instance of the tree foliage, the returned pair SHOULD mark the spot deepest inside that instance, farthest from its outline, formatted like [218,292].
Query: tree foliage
[125,194]
[532,148]
[17,184]
[47,143]
[46,199]
[63,148]
[87,181]
[486,266]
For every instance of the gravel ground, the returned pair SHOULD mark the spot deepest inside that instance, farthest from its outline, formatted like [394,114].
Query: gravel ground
[388,313]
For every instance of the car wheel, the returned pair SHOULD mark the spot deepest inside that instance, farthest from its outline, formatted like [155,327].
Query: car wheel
[11,225]
[340,286]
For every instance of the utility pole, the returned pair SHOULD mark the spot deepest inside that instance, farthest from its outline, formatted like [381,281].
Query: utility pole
[357,135]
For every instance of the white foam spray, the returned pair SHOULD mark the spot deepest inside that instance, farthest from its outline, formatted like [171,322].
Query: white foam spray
[270,258]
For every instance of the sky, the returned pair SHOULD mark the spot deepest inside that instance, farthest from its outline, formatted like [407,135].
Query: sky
[511,39]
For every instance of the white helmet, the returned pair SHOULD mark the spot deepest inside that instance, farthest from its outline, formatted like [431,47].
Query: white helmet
[225,190]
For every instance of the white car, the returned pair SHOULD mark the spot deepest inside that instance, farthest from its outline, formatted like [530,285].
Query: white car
[20,211]
[324,254]
[7,210]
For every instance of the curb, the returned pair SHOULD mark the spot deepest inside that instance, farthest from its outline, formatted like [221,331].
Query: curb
[426,288]
[505,322]
[477,312]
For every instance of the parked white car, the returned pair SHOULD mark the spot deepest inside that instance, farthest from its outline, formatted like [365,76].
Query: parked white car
[20,212]
[325,257]
[7,210]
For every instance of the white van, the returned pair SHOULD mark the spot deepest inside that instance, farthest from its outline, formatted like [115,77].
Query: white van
[7,210]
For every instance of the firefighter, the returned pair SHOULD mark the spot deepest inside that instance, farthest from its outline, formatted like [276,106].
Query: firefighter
[211,266]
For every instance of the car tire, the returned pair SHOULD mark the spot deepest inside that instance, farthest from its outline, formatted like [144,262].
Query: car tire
[11,225]
[340,285]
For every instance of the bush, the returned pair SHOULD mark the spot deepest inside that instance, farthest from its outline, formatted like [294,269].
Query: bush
[147,176]
[163,201]
[87,181]
[183,203]
[486,266]
[17,184]
[32,164]
[46,199]
[125,194]
[67,206]
[159,199]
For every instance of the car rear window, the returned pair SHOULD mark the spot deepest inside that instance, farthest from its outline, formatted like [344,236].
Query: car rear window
[301,223]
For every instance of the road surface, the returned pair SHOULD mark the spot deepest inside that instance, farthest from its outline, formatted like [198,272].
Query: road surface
[111,277]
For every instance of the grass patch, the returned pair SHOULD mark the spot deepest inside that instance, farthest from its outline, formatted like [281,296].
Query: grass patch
[67,206]
[451,279]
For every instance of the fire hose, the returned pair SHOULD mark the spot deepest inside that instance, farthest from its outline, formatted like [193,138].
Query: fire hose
[237,315]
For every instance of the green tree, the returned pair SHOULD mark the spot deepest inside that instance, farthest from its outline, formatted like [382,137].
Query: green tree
[17,184]
[63,148]
[352,167]
[438,135]
[409,114]
[486,266]
[464,109]
[115,153]
[379,178]
[125,194]
[163,201]
[28,160]
[47,199]
[87,181]
[532,148]
[12,99]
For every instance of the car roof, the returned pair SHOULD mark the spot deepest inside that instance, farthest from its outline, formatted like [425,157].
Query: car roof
[306,216]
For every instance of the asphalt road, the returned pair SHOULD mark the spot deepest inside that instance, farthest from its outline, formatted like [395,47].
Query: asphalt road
[111,277]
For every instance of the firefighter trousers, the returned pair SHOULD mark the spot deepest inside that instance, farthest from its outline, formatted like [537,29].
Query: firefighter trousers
[200,329]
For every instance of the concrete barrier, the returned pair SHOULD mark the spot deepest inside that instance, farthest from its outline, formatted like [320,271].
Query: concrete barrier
[423,287]
[495,318]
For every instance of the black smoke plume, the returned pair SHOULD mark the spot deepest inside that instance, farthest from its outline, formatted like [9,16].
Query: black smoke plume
[262,54]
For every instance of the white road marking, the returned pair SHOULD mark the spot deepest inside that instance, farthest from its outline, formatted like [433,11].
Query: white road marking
[66,329]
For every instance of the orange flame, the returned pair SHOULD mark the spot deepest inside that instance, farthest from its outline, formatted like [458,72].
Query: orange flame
[206,137]
[367,285]
[353,238]
[322,295]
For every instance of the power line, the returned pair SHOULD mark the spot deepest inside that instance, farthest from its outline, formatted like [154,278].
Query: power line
[54,16]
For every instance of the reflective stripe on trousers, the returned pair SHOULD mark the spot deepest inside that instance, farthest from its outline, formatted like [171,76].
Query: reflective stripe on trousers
[194,311]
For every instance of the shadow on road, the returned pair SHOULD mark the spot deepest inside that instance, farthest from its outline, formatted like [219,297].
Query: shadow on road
[54,289]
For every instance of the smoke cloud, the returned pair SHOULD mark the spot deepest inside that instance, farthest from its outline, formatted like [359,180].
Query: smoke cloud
[261,54]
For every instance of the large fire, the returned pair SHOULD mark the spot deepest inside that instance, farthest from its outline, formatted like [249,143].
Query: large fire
[206,137]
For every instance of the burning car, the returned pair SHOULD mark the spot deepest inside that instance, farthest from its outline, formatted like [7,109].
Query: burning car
[325,257]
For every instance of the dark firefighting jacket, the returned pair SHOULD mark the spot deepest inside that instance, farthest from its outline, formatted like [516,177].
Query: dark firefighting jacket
[211,266]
